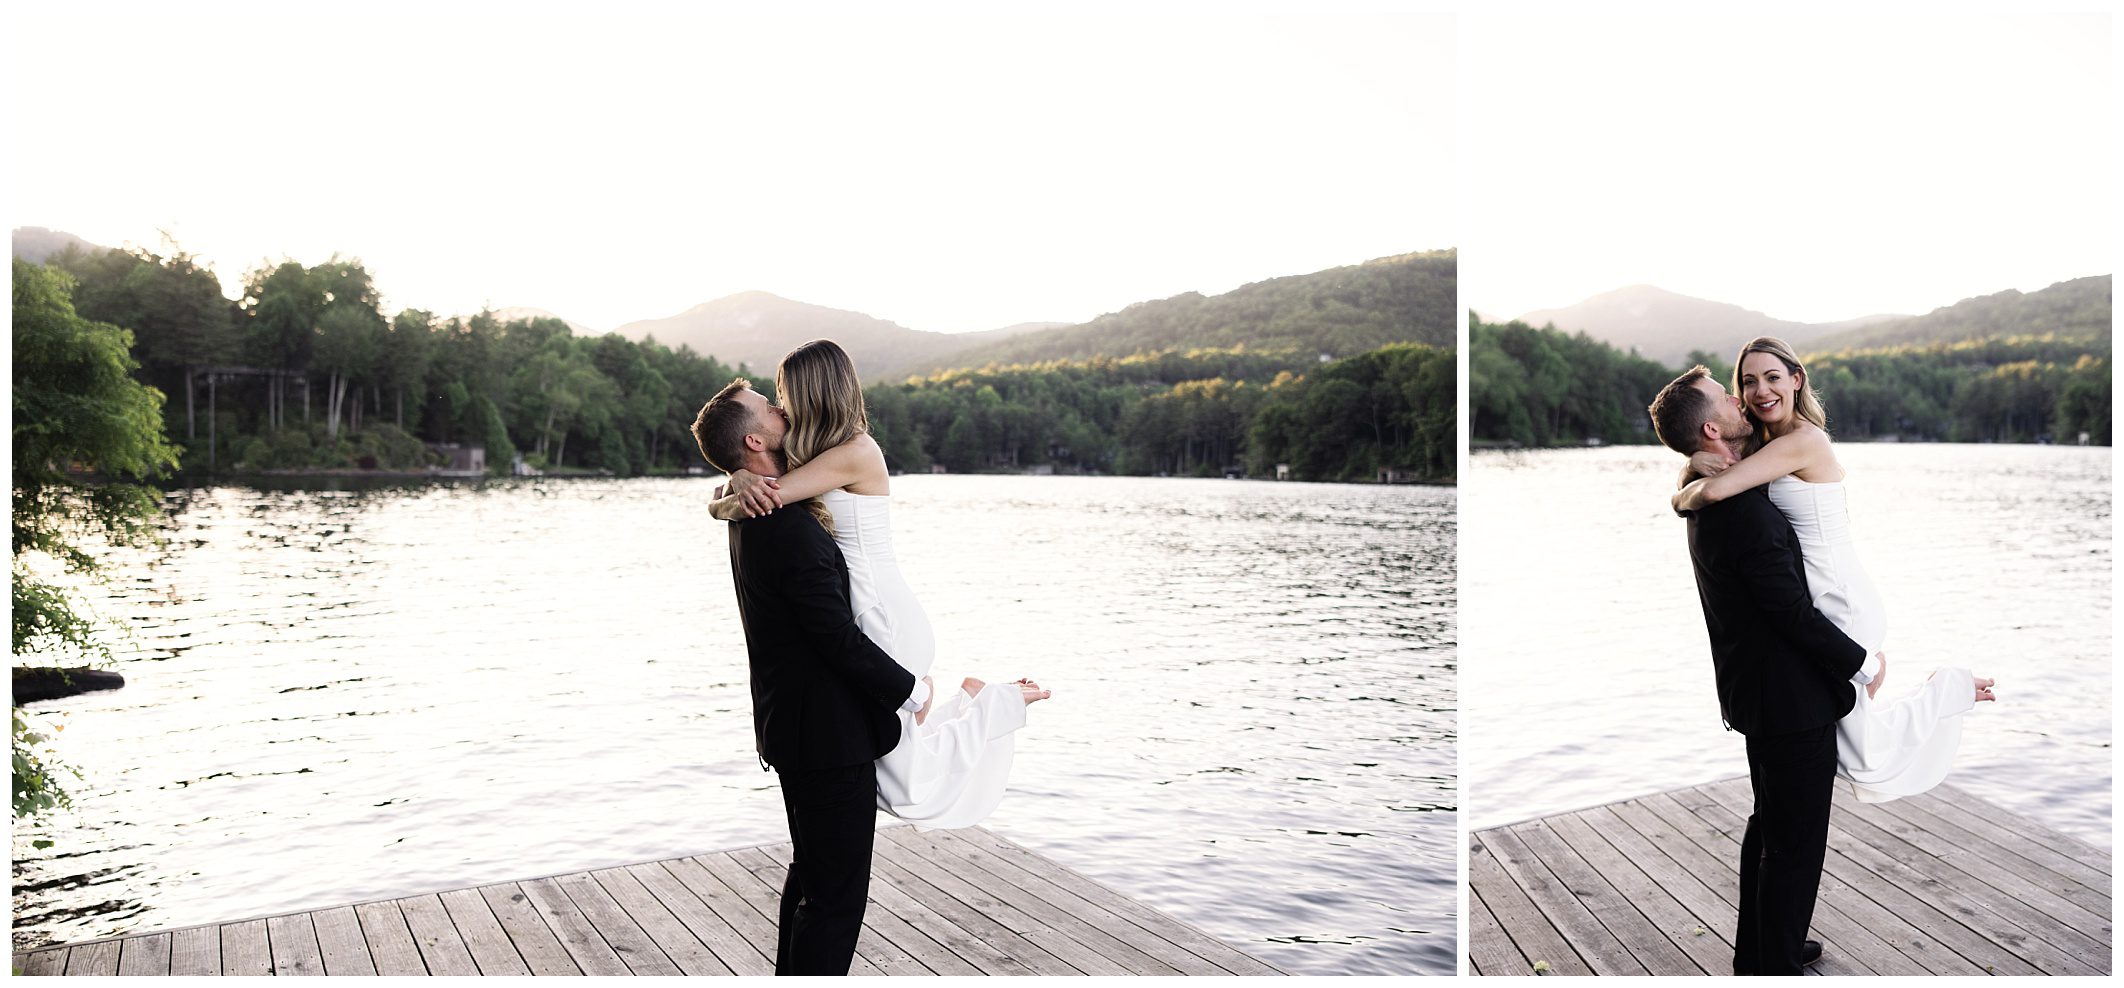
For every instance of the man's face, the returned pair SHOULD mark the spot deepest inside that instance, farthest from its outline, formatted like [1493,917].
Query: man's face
[768,422]
[1726,413]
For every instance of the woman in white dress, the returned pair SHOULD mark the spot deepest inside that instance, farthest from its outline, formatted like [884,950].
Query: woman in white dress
[954,755]
[1887,746]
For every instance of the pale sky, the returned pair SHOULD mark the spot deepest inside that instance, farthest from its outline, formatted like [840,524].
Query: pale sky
[1812,167]
[948,172]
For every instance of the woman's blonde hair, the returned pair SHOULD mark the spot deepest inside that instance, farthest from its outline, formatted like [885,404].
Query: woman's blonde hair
[818,387]
[1805,403]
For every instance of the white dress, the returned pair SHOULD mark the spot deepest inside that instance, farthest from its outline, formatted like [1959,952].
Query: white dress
[948,771]
[1902,743]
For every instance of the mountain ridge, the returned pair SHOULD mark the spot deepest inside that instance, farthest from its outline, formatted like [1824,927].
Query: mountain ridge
[1402,298]
[2076,308]
[1666,326]
[755,328]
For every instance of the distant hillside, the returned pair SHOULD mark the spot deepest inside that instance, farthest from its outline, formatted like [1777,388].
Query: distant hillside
[1408,298]
[756,329]
[2071,310]
[1664,326]
[35,243]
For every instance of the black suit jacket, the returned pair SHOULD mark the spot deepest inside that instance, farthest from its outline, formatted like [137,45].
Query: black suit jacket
[1782,666]
[823,695]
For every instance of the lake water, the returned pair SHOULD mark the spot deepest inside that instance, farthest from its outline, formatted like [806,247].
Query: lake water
[344,695]
[1590,681]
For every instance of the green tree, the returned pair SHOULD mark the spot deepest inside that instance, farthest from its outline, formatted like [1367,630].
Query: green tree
[86,438]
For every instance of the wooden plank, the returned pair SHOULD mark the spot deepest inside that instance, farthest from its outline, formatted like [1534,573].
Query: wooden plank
[1720,876]
[340,941]
[293,940]
[889,957]
[1695,950]
[954,904]
[765,897]
[1627,920]
[1712,852]
[1712,915]
[2041,833]
[635,948]
[1029,895]
[534,941]
[978,924]
[47,963]
[928,955]
[483,934]
[1147,938]
[592,955]
[390,941]
[1996,942]
[2028,860]
[757,931]
[442,949]
[1717,829]
[195,952]
[92,960]
[2057,913]
[1860,898]
[1533,935]
[980,958]
[245,951]
[2036,898]
[1490,949]
[1933,907]
[1180,934]
[2074,865]
[709,927]
[144,955]
[669,934]
[1602,951]
[997,903]
[2031,935]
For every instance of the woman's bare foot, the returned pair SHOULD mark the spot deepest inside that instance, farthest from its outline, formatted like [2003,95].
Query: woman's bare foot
[1983,689]
[1031,692]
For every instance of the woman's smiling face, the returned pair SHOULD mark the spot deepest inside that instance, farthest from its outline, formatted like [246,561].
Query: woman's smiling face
[1767,388]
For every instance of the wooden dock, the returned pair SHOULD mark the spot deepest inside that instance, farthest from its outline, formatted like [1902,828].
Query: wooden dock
[1943,883]
[943,902]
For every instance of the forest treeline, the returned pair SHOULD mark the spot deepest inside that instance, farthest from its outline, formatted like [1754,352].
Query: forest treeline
[309,373]
[1544,387]
[1198,413]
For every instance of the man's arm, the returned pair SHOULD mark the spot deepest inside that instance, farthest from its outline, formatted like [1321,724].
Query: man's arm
[1767,564]
[820,606]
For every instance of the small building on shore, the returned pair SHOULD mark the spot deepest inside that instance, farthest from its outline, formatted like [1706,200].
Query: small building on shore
[461,459]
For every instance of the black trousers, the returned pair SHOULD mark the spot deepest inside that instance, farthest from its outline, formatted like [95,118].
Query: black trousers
[1781,855]
[832,820]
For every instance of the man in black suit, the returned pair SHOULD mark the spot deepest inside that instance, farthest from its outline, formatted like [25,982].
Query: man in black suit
[824,697]
[1786,675]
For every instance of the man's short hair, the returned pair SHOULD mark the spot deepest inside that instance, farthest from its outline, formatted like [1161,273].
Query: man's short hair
[1680,411]
[721,426]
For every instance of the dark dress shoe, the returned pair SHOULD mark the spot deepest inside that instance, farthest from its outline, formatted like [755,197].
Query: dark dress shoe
[1810,951]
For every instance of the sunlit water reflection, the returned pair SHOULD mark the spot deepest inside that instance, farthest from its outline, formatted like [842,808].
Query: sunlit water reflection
[342,695]
[1592,678]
